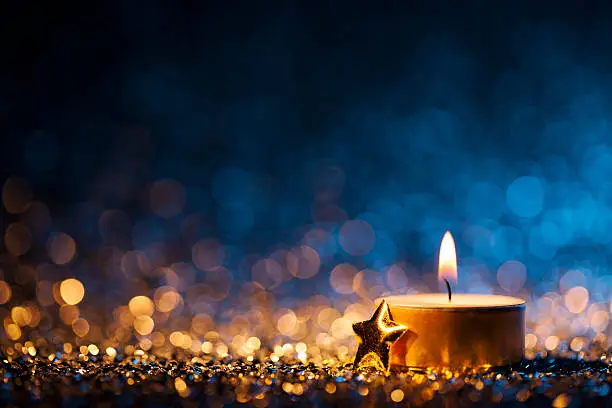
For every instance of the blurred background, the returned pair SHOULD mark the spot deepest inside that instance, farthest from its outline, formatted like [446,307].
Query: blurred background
[222,178]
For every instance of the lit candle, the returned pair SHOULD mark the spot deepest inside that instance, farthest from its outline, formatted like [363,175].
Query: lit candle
[457,330]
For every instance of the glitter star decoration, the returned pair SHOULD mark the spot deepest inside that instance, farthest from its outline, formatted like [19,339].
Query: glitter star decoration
[375,337]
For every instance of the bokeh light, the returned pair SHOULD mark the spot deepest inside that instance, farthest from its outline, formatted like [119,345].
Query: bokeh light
[208,254]
[16,195]
[72,291]
[303,262]
[5,292]
[80,327]
[61,248]
[341,278]
[167,198]
[267,272]
[141,306]
[357,237]
[144,325]
[525,196]
[17,239]
[166,299]
[576,299]
[512,276]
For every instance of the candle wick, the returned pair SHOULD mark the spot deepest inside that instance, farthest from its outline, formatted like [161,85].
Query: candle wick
[448,288]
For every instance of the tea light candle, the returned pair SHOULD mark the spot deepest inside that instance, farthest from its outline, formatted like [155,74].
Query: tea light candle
[457,330]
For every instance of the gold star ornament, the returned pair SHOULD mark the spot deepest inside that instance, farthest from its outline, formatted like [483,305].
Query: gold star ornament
[375,337]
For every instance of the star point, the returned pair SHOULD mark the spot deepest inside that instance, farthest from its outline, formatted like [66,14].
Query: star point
[375,337]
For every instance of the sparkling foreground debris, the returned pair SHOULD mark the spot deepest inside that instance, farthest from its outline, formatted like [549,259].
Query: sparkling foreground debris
[144,380]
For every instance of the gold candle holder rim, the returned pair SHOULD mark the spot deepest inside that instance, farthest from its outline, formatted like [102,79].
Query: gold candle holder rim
[521,304]
[459,309]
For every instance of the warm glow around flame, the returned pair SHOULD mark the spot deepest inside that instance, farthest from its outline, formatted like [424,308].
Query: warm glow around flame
[447,261]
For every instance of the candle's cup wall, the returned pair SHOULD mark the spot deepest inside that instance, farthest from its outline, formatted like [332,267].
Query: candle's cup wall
[475,337]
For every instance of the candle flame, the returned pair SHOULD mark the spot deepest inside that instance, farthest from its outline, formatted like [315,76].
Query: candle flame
[447,260]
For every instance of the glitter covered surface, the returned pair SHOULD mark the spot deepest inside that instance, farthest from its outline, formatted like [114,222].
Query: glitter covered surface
[120,380]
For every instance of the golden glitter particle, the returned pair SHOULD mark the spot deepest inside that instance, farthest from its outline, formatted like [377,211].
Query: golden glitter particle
[288,387]
[397,395]
[241,397]
[330,388]
[72,291]
[181,387]
[427,394]
[298,389]
[523,395]
[562,401]
[111,352]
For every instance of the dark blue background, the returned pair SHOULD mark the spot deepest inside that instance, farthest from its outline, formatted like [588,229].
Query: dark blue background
[427,113]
